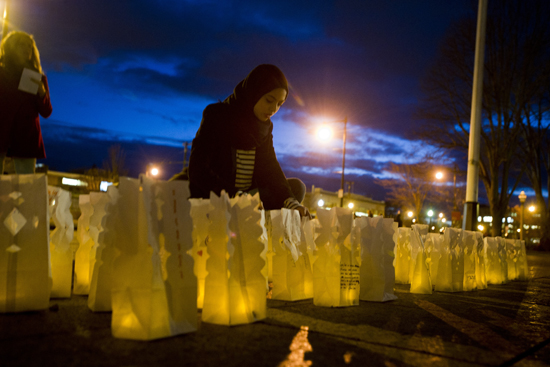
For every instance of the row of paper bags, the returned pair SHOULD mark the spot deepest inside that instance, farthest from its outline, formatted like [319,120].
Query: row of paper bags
[151,256]
[456,261]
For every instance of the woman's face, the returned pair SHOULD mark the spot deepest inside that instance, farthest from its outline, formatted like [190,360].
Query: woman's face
[23,51]
[269,104]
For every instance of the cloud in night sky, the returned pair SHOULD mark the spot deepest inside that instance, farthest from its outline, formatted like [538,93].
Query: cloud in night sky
[140,72]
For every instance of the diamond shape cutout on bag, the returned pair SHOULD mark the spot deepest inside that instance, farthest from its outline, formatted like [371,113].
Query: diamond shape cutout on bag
[15,221]
[13,248]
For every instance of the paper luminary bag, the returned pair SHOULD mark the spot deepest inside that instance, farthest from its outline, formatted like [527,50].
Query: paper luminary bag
[154,290]
[434,244]
[421,281]
[291,266]
[61,254]
[513,252]
[469,242]
[377,273]
[450,272]
[523,269]
[481,279]
[403,255]
[496,266]
[199,214]
[25,276]
[336,267]
[99,297]
[82,255]
[235,287]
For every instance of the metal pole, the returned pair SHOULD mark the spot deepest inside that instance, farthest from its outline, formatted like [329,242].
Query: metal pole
[471,205]
[5,20]
[343,163]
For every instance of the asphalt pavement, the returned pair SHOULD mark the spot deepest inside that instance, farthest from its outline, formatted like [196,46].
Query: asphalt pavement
[503,325]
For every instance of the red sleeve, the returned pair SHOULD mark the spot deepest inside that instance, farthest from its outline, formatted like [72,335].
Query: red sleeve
[44,103]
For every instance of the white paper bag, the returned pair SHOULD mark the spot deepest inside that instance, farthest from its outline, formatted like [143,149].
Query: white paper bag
[235,287]
[82,256]
[523,269]
[25,274]
[201,222]
[513,251]
[481,278]
[450,273]
[336,272]
[469,241]
[154,289]
[421,281]
[434,245]
[99,297]
[403,256]
[496,266]
[377,271]
[60,239]
[291,267]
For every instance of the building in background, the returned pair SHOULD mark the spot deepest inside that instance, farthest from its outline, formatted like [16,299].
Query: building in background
[361,205]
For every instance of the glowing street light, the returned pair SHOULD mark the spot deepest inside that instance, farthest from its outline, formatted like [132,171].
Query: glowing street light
[321,202]
[350,205]
[410,214]
[532,208]
[430,213]
[324,133]
[439,175]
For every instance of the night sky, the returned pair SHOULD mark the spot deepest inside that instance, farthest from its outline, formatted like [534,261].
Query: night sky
[139,73]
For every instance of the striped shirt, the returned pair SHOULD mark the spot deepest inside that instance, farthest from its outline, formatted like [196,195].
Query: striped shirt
[245,171]
[245,168]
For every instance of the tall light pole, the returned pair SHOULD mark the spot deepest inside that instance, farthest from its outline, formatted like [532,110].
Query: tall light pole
[522,197]
[472,181]
[324,134]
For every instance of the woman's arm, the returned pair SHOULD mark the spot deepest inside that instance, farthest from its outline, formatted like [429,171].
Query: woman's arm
[43,98]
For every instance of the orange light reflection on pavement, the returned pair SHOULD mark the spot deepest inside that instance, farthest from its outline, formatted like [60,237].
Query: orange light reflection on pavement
[299,346]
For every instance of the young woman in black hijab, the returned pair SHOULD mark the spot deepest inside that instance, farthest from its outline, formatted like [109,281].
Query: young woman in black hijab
[233,148]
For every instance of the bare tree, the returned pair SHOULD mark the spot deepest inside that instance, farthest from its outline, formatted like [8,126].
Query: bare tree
[114,167]
[510,83]
[412,185]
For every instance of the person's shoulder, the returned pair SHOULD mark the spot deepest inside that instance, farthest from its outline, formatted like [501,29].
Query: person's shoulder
[215,110]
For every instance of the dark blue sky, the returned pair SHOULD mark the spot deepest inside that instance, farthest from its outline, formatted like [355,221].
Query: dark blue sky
[139,73]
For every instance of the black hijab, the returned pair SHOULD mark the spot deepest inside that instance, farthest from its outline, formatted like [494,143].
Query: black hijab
[247,131]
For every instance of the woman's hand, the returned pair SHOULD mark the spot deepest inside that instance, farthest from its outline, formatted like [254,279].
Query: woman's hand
[304,212]
[41,87]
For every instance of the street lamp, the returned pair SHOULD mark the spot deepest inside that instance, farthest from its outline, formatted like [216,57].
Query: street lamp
[522,197]
[5,20]
[324,133]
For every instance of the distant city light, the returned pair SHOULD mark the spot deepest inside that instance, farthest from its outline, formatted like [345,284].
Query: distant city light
[73,182]
[104,184]
[440,215]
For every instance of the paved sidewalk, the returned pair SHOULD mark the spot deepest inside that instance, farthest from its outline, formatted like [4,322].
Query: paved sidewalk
[502,325]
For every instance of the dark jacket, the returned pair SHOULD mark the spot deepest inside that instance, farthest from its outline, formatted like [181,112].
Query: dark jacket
[212,165]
